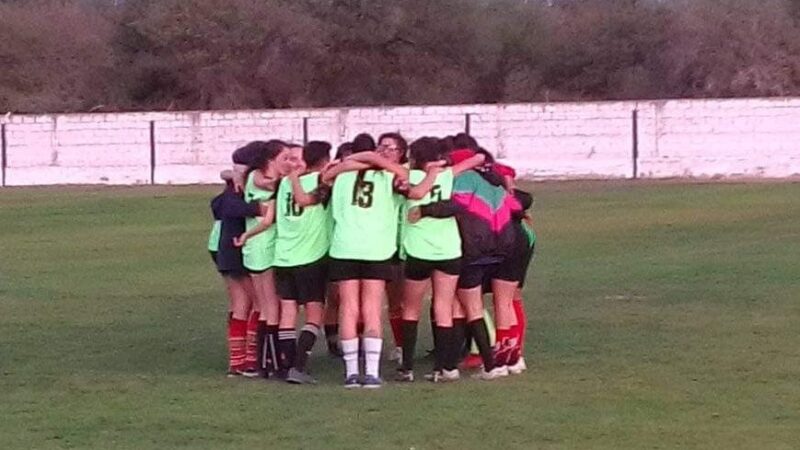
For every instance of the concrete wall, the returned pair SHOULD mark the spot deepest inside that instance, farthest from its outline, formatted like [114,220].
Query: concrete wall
[674,138]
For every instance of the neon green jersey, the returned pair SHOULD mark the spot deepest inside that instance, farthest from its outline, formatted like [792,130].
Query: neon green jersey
[259,251]
[364,216]
[213,237]
[430,238]
[303,232]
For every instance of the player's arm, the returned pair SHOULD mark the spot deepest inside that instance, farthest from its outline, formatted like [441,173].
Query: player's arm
[374,159]
[330,174]
[266,221]
[469,163]
[421,189]
[437,210]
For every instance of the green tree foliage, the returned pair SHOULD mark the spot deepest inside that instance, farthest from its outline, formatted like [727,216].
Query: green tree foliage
[209,54]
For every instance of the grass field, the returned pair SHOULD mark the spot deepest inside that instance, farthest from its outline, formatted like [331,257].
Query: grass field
[662,316]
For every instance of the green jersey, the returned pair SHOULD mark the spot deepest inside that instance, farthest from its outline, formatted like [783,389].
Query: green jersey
[303,232]
[529,233]
[213,237]
[259,251]
[430,238]
[364,216]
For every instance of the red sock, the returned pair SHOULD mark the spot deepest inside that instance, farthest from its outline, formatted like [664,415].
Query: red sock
[397,330]
[251,351]
[522,323]
[503,345]
[237,330]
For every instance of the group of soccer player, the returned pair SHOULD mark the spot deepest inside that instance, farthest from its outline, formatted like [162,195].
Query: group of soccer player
[294,228]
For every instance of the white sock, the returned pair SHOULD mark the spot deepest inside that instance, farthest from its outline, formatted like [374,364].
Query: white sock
[372,349]
[350,351]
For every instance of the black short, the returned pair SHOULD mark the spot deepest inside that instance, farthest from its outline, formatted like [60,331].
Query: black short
[237,274]
[357,269]
[474,275]
[306,283]
[421,269]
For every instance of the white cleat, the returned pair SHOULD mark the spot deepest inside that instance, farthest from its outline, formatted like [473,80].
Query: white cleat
[497,372]
[443,376]
[518,368]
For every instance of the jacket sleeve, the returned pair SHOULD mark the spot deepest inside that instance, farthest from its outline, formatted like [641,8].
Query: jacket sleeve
[234,207]
[439,210]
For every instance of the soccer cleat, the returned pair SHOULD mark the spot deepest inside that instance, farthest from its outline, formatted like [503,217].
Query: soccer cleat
[352,382]
[404,376]
[472,362]
[396,355]
[250,373]
[497,372]
[234,373]
[518,367]
[297,377]
[371,382]
[443,376]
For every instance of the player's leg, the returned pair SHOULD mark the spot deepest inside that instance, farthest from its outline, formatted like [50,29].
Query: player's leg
[372,291]
[349,312]
[239,304]
[446,349]
[269,308]
[394,295]
[505,320]
[288,293]
[332,320]
[414,289]
[470,296]
[310,282]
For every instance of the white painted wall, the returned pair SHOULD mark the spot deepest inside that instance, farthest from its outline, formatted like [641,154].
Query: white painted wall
[676,138]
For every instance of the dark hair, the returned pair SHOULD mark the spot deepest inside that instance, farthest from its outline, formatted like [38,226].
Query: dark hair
[484,152]
[463,140]
[315,152]
[344,150]
[425,150]
[363,143]
[401,143]
[447,144]
[266,152]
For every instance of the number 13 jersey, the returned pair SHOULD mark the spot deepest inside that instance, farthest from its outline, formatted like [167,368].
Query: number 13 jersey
[364,216]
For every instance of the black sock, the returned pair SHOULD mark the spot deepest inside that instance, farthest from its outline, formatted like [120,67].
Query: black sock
[261,333]
[332,332]
[446,355]
[433,328]
[271,349]
[287,341]
[481,335]
[409,343]
[308,336]
[459,338]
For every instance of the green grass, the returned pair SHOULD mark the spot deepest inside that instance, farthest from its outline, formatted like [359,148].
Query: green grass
[662,316]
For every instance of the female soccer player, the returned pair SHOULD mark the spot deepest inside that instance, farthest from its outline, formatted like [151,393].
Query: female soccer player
[230,211]
[258,251]
[485,218]
[394,147]
[301,263]
[433,256]
[365,207]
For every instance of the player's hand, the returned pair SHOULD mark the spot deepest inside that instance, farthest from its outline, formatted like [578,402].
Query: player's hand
[238,183]
[414,214]
[240,241]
